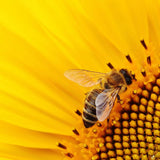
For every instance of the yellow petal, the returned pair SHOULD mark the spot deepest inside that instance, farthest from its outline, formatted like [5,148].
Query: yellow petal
[23,153]
[31,90]
[153,22]
[15,135]
[39,41]
[120,28]
[2,158]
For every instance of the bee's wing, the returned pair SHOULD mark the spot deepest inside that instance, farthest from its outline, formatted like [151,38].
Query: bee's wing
[84,77]
[104,103]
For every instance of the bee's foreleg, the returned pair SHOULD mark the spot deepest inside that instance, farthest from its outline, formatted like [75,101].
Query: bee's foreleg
[86,93]
[118,97]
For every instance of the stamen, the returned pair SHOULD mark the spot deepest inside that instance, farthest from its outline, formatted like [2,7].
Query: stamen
[110,65]
[104,155]
[133,75]
[134,91]
[129,58]
[145,93]
[69,155]
[75,132]
[121,102]
[143,44]
[61,145]
[95,157]
[94,131]
[156,90]
[149,86]
[114,122]
[143,72]
[78,112]
[98,150]
[101,145]
[99,124]
[85,146]
[149,60]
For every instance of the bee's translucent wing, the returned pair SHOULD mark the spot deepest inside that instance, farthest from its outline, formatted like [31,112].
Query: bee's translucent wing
[84,77]
[104,103]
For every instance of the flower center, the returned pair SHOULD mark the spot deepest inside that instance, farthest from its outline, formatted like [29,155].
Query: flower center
[132,130]
[136,134]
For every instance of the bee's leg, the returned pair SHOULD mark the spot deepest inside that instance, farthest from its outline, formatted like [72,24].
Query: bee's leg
[86,93]
[118,97]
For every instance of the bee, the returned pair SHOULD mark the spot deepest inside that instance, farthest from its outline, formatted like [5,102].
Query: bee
[100,101]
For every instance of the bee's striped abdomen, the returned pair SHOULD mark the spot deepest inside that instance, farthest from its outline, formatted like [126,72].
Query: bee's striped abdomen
[89,110]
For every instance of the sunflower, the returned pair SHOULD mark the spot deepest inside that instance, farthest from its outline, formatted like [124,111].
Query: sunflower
[41,111]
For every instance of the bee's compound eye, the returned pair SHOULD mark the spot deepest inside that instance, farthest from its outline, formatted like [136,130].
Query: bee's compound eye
[127,76]
[128,80]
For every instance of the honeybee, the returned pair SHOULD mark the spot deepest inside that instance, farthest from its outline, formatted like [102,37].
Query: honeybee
[99,102]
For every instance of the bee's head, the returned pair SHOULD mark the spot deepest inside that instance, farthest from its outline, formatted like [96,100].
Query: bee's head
[127,76]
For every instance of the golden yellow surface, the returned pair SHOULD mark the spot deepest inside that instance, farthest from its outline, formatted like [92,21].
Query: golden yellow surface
[39,41]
